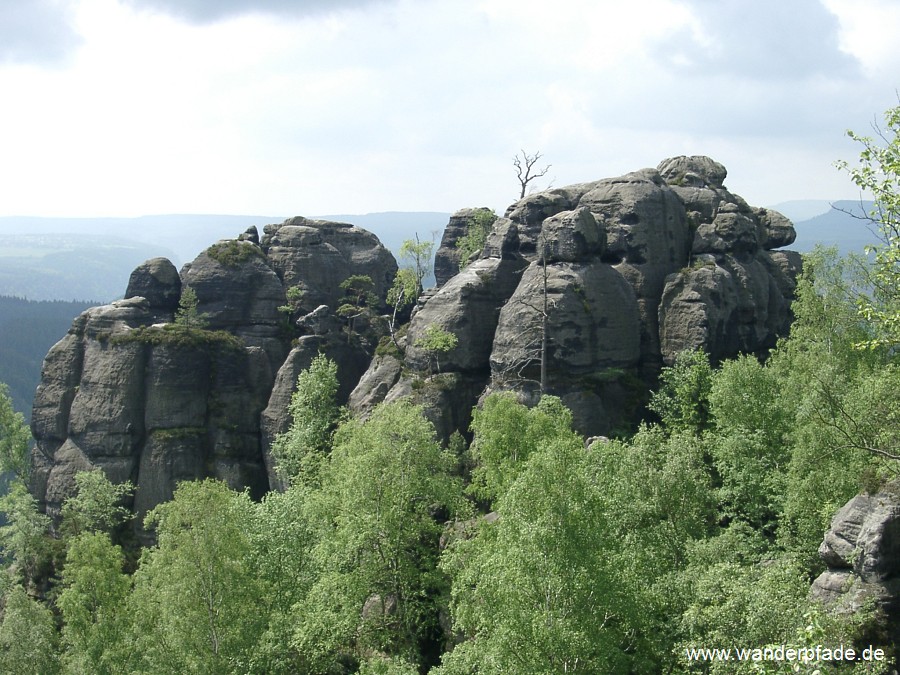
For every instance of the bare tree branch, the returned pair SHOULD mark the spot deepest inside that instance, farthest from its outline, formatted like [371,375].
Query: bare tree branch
[526,171]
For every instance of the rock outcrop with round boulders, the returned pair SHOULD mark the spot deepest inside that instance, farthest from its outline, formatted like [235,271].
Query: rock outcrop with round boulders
[862,552]
[583,291]
[586,291]
[153,398]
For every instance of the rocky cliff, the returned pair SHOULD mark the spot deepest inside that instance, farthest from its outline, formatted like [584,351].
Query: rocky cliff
[592,288]
[586,290]
[862,552]
[129,392]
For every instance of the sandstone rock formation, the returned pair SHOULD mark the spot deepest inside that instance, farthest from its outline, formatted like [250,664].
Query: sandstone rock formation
[145,400]
[583,291]
[607,281]
[862,551]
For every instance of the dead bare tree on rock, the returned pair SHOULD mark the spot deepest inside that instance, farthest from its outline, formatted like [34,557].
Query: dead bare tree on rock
[526,171]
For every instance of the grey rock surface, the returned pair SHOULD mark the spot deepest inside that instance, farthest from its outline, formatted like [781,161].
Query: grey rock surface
[446,258]
[318,255]
[641,267]
[156,280]
[862,551]
[146,400]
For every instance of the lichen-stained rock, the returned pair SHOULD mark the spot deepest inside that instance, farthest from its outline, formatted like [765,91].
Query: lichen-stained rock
[729,232]
[775,230]
[640,267]
[375,384]
[572,236]
[530,212]
[724,305]
[468,306]
[648,238]
[148,400]
[592,322]
[862,551]
[446,258]
[693,172]
[156,280]
[318,255]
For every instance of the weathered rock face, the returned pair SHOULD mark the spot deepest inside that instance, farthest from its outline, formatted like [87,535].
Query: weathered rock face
[158,282]
[147,401]
[318,255]
[446,258]
[862,551]
[618,275]
[735,295]
[633,270]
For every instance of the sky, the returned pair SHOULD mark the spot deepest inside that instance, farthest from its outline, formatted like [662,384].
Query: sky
[280,107]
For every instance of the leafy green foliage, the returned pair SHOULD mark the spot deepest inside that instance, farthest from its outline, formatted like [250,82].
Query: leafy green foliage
[436,341]
[878,173]
[506,433]
[97,505]
[359,300]
[92,605]
[233,253]
[682,401]
[300,451]
[29,643]
[537,590]
[14,438]
[187,316]
[378,542]
[473,241]
[407,287]
[281,537]
[294,296]
[179,336]
[416,255]
[24,538]
[197,600]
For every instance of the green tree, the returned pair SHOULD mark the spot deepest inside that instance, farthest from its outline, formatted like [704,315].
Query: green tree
[97,504]
[282,539]
[386,479]
[187,315]
[29,642]
[315,414]
[878,173]
[92,605]
[25,536]
[682,401]
[750,446]
[358,300]
[436,341]
[506,433]
[197,601]
[821,386]
[417,256]
[401,295]
[14,438]
[539,590]
[479,226]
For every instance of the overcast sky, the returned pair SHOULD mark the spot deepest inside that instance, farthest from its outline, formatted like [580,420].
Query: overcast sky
[293,107]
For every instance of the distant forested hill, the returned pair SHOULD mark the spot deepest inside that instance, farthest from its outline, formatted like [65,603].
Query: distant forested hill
[70,266]
[27,331]
[840,226]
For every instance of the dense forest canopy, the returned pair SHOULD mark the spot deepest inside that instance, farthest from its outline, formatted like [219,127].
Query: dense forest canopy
[521,551]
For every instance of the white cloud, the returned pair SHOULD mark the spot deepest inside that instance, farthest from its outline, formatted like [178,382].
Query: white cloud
[407,104]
